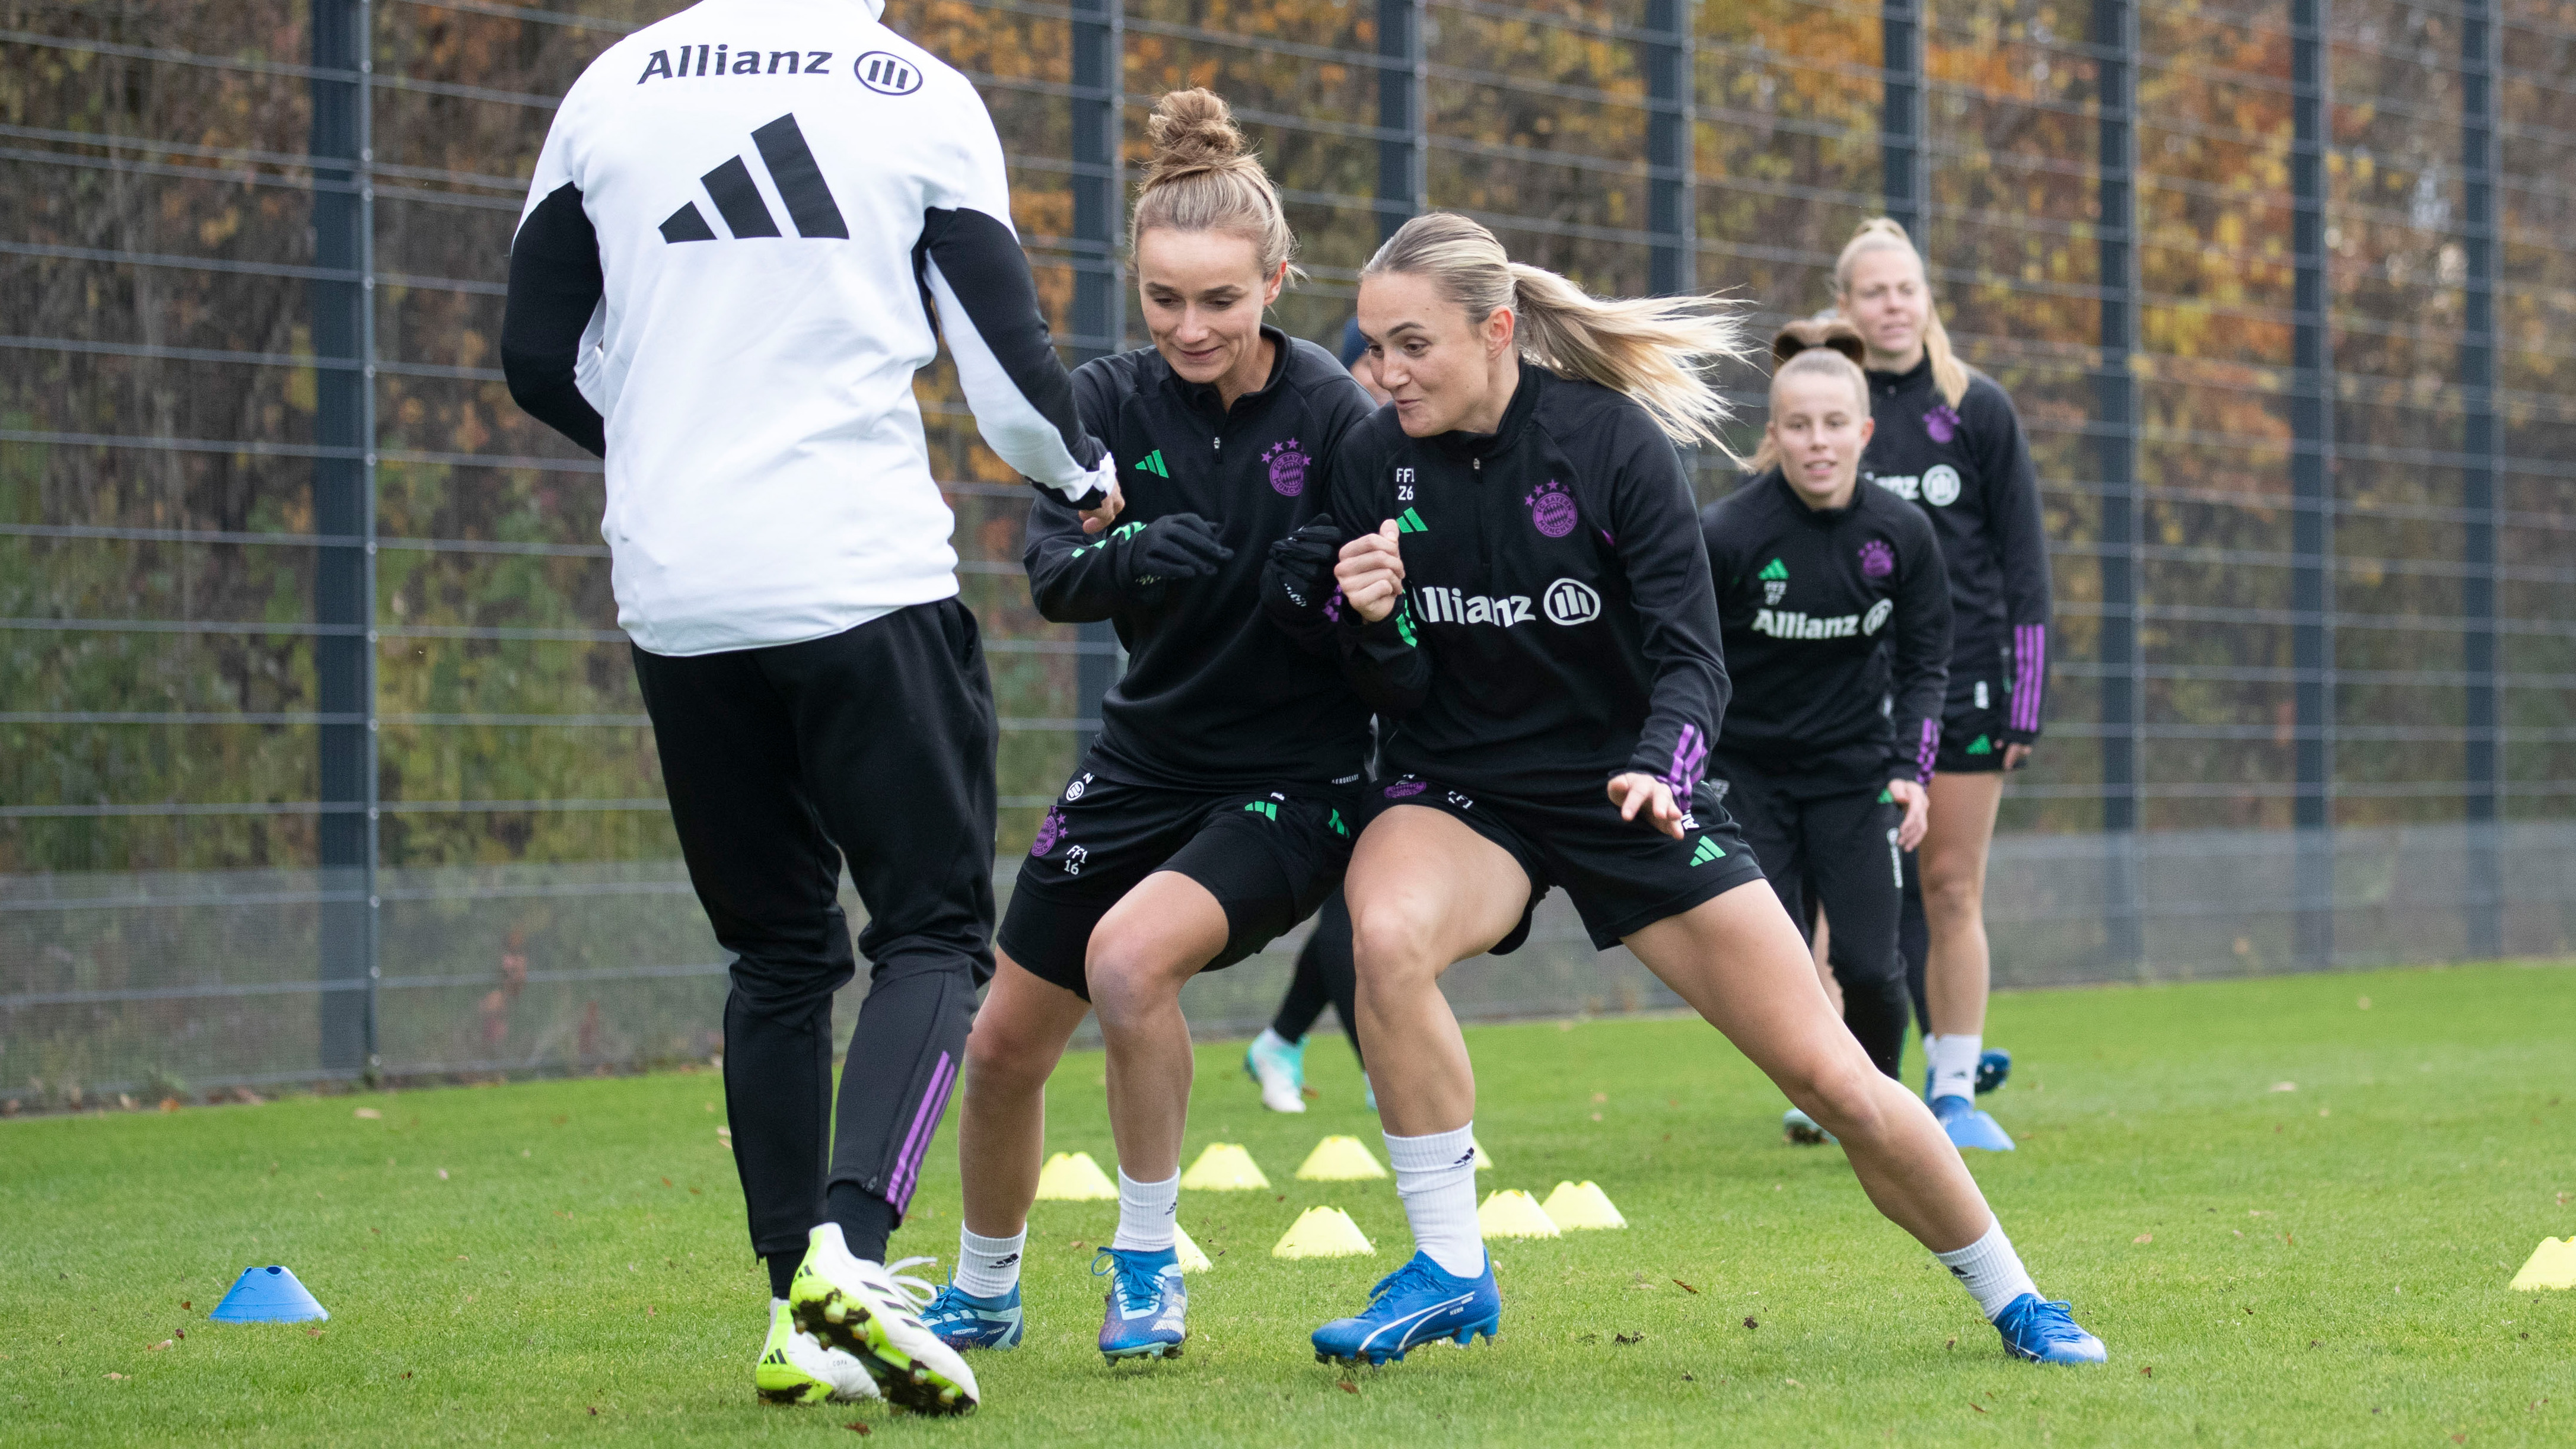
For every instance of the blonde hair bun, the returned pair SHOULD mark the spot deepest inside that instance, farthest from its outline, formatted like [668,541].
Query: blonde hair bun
[1203,176]
[1192,131]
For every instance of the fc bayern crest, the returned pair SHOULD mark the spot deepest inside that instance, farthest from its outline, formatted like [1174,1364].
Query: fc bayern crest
[1877,560]
[1552,510]
[1287,468]
[1050,830]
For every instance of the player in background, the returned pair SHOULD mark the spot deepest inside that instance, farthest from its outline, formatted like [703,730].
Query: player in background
[1276,1060]
[1949,441]
[749,226]
[1217,809]
[1534,614]
[1834,608]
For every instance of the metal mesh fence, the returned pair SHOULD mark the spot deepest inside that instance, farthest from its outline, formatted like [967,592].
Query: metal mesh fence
[322,753]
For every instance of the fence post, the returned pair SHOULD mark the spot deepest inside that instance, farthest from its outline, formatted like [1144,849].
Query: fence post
[2483,902]
[1900,125]
[2312,420]
[1099,296]
[1670,204]
[1403,175]
[344,507]
[2115,438]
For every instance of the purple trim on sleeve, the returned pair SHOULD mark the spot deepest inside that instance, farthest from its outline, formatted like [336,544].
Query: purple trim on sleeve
[1927,751]
[925,1125]
[1690,757]
[2030,671]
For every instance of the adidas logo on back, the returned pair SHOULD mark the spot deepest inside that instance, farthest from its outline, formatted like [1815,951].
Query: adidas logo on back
[792,169]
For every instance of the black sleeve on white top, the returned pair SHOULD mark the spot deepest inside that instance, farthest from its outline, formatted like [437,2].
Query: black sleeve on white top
[555,286]
[977,278]
[1918,648]
[1662,552]
[2021,548]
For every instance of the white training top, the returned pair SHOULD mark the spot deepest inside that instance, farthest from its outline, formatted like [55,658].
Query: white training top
[742,226]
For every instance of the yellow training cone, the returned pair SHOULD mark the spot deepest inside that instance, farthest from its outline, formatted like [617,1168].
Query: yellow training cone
[1322,1232]
[2552,1265]
[1224,1167]
[1340,1159]
[1483,1163]
[1192,1258]
[1074,1177]
[1515,1214]
[1582,1205]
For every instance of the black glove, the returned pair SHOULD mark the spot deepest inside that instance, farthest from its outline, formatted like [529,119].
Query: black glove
[1173,547]
[1299,576]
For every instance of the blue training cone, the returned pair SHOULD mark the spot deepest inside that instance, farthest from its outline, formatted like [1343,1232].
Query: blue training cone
[268,1295]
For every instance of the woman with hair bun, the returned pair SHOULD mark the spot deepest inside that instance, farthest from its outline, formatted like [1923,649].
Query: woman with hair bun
[1534,613]
[1217,808]
[1948,441]
[1835,607]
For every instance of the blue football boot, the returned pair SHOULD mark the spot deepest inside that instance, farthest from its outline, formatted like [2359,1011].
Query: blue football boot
[2045,1332]
[1994,1068]
[1148,1308]
[1969,1128]
[1802,1129]
[962,1321]
[1414,1304]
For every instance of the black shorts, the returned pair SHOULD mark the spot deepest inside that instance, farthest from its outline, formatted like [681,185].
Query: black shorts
[1974,714]
[1622,875]
[1270,857]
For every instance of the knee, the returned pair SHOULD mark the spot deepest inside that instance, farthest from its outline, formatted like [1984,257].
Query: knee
[1014,1063]
[1128,978]
[1391,946]
[1842,1094]
[1953,892]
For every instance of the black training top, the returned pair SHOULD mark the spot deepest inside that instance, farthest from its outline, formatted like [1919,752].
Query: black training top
[1215,695]
[1829,613]
[1969,468]
[1557,626]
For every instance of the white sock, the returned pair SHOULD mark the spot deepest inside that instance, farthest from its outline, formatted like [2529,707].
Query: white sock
[988,1267]
[1145,1212]
[1954,1064]
[1990,1270]
[1436,1177]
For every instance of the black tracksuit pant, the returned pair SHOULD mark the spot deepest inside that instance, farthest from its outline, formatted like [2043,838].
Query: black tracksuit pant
[1327,972]
[1832,829]
[873,746]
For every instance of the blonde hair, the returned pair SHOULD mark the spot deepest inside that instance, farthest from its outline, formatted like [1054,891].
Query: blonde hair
[1824,359]
[1200,177]
[1881,233]
[1651,348]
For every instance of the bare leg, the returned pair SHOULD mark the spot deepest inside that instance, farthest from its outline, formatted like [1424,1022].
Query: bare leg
[1824,970]
[1954,900]
[1019,1036]
[1155,939]
[1740,963]
[1425,892]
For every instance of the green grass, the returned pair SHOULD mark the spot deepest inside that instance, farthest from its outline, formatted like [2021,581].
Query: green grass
[565,1261]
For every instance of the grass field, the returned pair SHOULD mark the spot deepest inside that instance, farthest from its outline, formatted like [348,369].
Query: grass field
[564,1261]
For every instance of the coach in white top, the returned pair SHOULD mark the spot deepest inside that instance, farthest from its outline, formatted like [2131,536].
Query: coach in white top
[751,224]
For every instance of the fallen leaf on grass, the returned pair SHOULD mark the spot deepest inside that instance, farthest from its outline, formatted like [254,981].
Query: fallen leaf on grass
[1749,1323]
[184,1303]
[559,1212]
[1686,1378]
[368,1114]
[1979,1408]
[405,1374]
[165,1343]
[1685,1287]
[2285,1086]
[312,1333]
[442,1174]
[1349,1388]
[178,1333]
[1953,1343]
[2148,1372]
[2144,1238]
[116,1376]
[2292,1241]
[2325,1111]
[594,1410]
[1624,1339]
[1311,1095]
[693,1192]
[1793,1383]
[2248,1311]
[858,1427]
[2316,1343]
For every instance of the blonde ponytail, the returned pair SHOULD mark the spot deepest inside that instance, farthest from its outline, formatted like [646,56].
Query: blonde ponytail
[1200,177]
[1654,349]
[1881,233]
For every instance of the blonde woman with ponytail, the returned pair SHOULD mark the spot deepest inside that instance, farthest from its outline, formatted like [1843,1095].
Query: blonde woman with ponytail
[1534,619]
[1949,442]
[1213,814]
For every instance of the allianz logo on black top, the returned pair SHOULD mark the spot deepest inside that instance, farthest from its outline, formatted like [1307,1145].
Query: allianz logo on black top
[1790,624]
[1567,602]
[792,169]
[1937,485]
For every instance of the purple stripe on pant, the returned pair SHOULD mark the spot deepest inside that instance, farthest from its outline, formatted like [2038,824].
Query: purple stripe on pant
[925,1125]
[2030,668]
